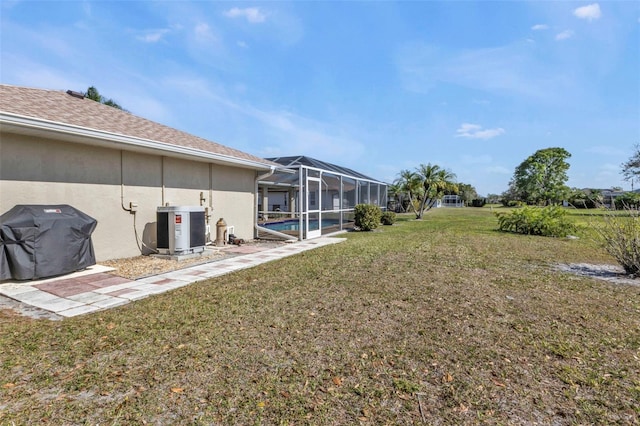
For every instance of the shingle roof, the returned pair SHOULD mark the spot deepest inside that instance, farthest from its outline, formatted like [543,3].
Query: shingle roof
[61,107]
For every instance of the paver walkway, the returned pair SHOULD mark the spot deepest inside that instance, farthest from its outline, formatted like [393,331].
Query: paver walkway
[94,289]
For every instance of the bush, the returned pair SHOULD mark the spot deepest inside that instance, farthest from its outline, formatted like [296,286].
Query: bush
[627,201]
[367,216]
[546,221]
[478,202]
[619,235]
[583,203]
[388,218]
[512,203]
[583,200]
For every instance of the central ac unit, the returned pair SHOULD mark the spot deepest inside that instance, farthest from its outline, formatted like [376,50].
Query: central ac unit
[181,229]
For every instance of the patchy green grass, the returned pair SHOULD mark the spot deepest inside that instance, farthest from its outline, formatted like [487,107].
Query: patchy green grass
[441,321]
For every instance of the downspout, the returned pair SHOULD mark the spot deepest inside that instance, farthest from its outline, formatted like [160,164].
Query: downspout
[258,228]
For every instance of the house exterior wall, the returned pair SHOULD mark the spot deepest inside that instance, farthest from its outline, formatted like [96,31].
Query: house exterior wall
[100,181]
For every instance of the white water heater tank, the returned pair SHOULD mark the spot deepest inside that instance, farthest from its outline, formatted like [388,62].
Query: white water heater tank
[181,229]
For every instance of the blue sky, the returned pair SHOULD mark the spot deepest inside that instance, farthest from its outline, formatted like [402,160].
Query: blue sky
[473,86]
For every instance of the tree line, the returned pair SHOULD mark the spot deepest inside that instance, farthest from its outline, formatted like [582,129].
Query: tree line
[418,190]
[541,179]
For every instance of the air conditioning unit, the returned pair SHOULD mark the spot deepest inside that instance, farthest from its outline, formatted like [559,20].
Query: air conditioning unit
[181,229]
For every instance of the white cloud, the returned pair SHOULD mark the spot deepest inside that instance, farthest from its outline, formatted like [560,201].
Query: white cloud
[513,69]
[589,12]
[152,36]
[564,35]
[205,35]
[203,31]
[540,27]
[474,131]
[252,14]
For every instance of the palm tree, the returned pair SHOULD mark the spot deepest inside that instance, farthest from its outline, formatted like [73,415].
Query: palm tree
[410,185]
[435,180]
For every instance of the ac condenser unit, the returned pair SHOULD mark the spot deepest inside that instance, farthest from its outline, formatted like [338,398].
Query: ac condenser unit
[181,229]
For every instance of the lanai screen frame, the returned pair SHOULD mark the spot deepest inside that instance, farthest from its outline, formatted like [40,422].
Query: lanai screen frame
[293,180]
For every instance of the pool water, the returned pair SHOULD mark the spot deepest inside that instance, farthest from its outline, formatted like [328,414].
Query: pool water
[294,224]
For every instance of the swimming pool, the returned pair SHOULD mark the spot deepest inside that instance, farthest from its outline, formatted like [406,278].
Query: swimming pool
[294,224]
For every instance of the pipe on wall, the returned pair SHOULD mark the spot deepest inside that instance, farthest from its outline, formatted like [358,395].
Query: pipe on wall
[162,177]
[210,187]
[122,184]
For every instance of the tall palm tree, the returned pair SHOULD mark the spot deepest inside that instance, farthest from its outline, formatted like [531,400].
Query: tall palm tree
[435,180]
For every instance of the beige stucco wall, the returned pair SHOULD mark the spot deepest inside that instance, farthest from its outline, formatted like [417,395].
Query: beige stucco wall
[39,171]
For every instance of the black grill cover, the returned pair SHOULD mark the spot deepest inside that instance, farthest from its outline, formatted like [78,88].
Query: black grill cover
[38,241]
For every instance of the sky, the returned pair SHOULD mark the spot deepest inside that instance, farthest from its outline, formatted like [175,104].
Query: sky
[377,86]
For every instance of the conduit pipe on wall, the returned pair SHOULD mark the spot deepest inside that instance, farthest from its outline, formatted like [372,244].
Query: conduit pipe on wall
[133,208]
[210,187]
[162,177]
[209,210]
[122,184]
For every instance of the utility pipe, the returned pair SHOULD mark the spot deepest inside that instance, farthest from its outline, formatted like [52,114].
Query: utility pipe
[122,184]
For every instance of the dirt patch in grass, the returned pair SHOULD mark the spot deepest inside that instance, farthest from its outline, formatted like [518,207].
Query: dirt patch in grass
[439,321]
[610,273]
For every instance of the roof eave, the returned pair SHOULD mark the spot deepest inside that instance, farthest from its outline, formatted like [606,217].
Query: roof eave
[14,123]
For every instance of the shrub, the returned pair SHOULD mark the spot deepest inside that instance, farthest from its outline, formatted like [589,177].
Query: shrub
[546,221]
[619,235]
[512,203]
[583,199]
[388,218]
[627,201]
[478,202]
[367,216]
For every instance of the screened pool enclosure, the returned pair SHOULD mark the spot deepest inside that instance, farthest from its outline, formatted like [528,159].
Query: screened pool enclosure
[307,198]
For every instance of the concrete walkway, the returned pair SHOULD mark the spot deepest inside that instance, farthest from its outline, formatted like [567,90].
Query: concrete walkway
[95,289]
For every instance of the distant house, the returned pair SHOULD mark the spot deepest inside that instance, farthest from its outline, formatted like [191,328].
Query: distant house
[451,201]
[60,148]
[609,196]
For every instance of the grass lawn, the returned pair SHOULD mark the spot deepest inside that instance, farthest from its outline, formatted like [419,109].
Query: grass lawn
[439,321]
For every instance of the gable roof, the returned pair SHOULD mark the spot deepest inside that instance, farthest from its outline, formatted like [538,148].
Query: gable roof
[65,115]
[302,160]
